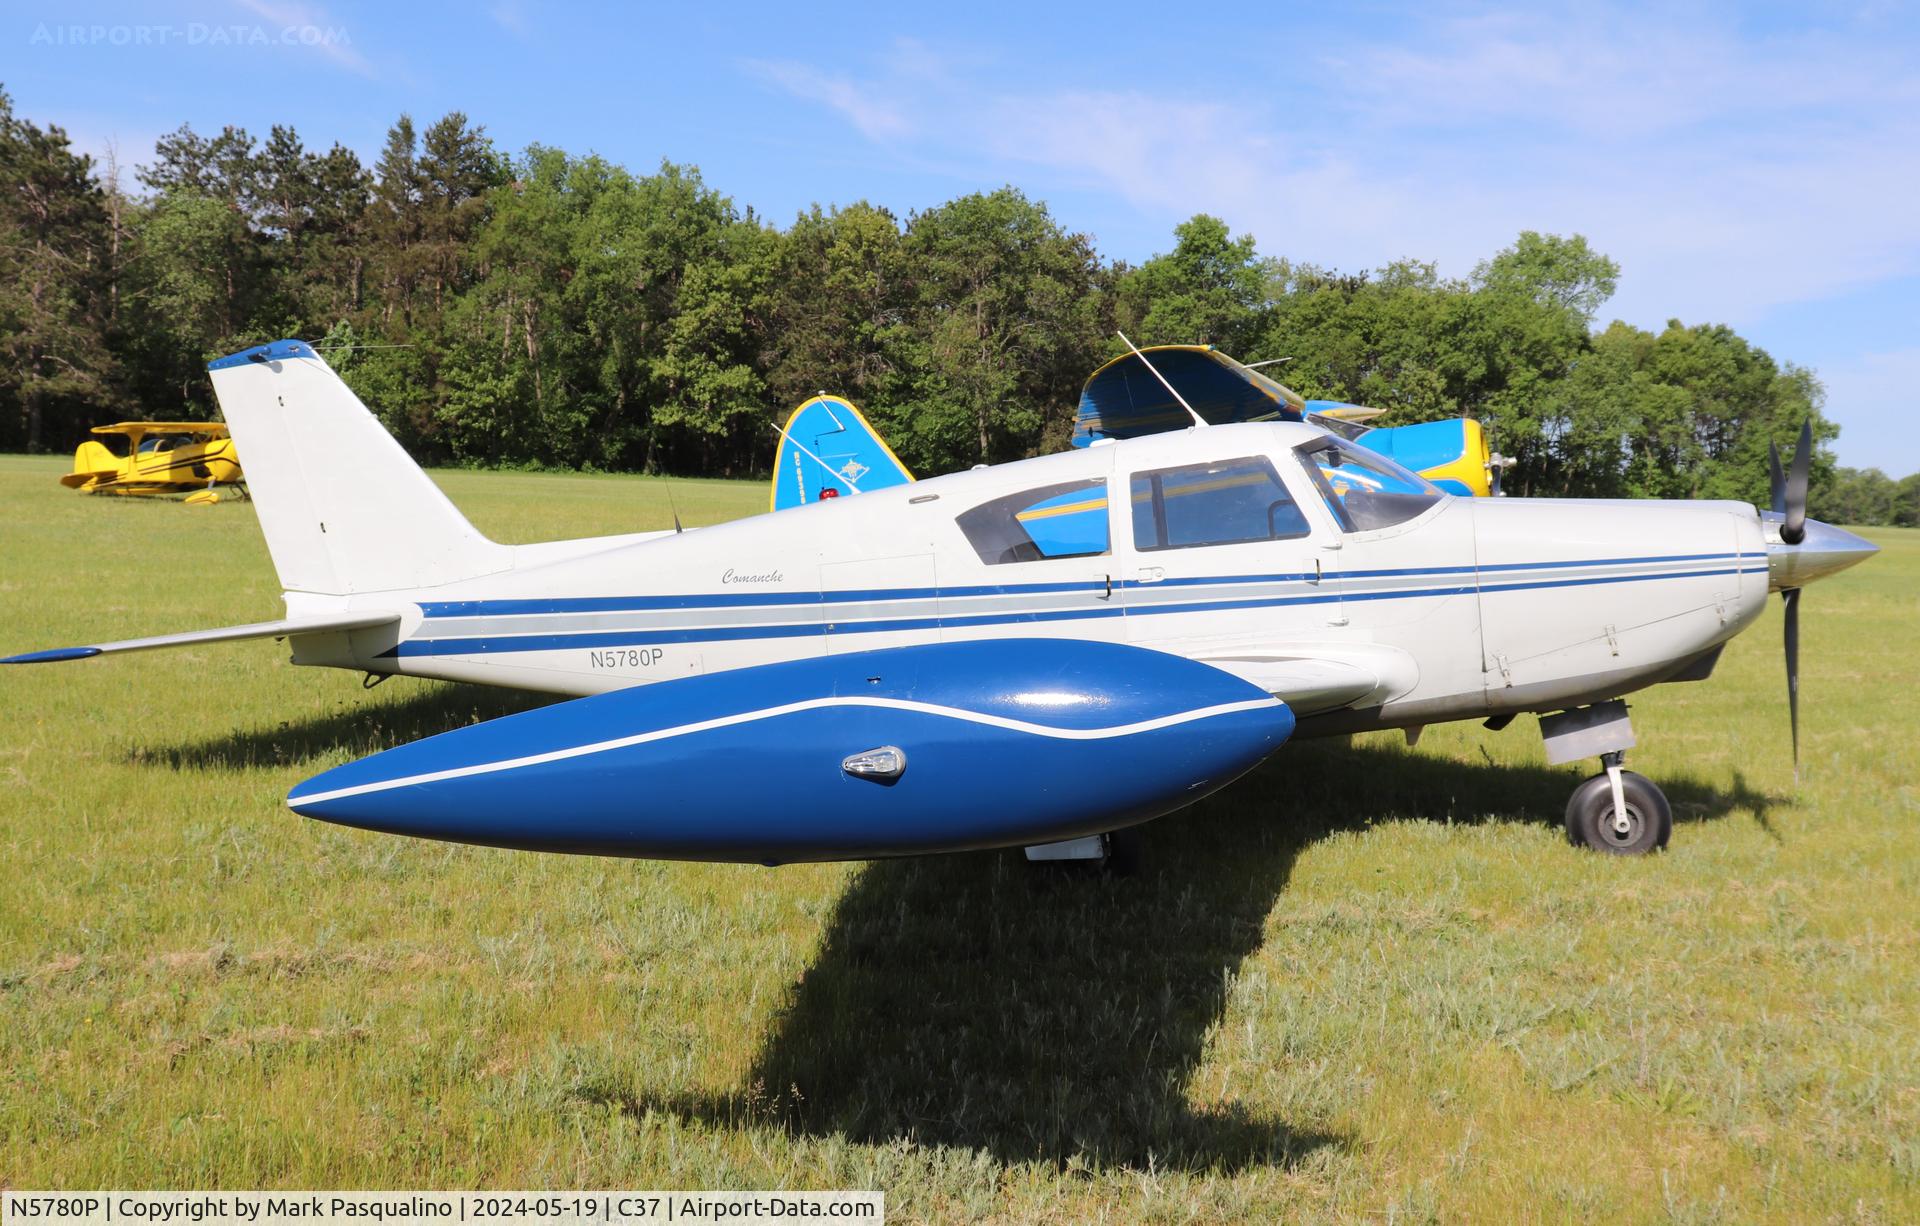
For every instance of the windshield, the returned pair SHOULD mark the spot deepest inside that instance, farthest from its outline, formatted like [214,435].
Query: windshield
[1364,489]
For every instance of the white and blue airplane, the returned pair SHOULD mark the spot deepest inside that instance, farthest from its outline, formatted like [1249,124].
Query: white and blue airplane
[1031,654]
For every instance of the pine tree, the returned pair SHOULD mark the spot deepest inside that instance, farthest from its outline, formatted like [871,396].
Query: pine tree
[53,283]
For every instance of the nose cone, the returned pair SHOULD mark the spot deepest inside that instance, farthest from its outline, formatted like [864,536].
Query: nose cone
[1825,550]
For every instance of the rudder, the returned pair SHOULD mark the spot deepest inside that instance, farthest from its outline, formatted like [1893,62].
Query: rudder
[344,508]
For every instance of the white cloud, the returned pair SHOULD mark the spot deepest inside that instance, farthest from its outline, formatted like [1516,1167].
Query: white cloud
[329,40]
[876,117]
[1728,175]
[1611,74]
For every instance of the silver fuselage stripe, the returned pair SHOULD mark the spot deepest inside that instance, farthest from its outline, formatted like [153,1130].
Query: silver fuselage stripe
[1141,597]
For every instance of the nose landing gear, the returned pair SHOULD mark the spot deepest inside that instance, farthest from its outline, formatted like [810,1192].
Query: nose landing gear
[1616,811]
[1619,812]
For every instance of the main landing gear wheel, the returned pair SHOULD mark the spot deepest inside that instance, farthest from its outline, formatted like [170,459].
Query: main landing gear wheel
[1592,821]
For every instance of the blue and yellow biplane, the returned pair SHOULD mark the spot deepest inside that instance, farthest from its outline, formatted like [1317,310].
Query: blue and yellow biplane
[1126,398]
[828,449]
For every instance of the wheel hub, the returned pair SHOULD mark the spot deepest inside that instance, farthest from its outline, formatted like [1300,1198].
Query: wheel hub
[1617,833]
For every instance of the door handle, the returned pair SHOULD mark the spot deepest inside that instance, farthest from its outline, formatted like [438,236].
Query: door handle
[1149,574]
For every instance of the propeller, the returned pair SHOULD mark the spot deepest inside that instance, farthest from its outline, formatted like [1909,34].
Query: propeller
[1791,598]
[1497,464]
[1789,490]
[1790,487]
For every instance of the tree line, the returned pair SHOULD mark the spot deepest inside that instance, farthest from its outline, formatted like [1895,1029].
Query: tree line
[548,309]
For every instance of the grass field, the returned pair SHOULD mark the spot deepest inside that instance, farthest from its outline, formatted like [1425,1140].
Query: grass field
[1367,982]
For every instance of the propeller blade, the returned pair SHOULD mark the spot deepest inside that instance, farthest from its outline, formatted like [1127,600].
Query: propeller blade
[1791,597]
[1779,479]
[1794,530]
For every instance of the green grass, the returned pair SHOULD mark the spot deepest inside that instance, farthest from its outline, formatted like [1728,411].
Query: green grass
[1367,982]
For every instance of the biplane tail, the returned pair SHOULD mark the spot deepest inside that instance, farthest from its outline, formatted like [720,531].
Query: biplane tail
[828,450]
[93,465]
[345,510]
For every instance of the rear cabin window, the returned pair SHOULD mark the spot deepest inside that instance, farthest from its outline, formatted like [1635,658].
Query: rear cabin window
[1225,502]
[1068,520]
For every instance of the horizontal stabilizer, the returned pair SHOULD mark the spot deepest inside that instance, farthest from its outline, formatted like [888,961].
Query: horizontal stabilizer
[317,624]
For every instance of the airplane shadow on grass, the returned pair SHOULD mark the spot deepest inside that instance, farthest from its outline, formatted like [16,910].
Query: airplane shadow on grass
[1057,1015]
[1037,1013]
[358,728]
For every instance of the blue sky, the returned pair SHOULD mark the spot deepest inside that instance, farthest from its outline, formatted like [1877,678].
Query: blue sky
[1752,165]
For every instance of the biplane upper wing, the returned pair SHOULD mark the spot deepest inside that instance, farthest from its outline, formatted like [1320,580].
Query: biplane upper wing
[1124,398]
[202,429]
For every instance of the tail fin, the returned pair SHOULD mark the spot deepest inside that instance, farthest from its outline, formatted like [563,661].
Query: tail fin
[93,464]
[344,508]
[827,450]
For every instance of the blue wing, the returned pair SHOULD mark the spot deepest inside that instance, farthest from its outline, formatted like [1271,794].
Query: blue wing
[1123,399]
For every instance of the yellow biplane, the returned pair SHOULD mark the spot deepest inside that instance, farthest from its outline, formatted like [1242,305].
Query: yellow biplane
[163,457]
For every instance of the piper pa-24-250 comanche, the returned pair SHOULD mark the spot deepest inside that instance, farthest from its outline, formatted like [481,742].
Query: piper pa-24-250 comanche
[1031,654]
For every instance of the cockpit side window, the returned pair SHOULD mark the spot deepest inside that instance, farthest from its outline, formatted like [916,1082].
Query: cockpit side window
[1364,489]
[1068,520]
[1224,502]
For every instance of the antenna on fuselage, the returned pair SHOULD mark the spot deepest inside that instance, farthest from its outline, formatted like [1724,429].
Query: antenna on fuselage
[1197,419]
[666,483]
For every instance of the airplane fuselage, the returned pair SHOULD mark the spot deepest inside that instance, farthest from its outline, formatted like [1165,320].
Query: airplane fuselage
[1225,545]
[1034,654]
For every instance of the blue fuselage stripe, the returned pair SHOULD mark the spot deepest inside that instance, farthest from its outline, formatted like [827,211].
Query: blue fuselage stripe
[490,644]
[736,600]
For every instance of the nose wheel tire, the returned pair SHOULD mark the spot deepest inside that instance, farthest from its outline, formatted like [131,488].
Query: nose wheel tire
[1592,823]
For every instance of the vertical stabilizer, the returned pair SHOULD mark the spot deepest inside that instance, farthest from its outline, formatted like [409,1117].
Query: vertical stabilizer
[344,508]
